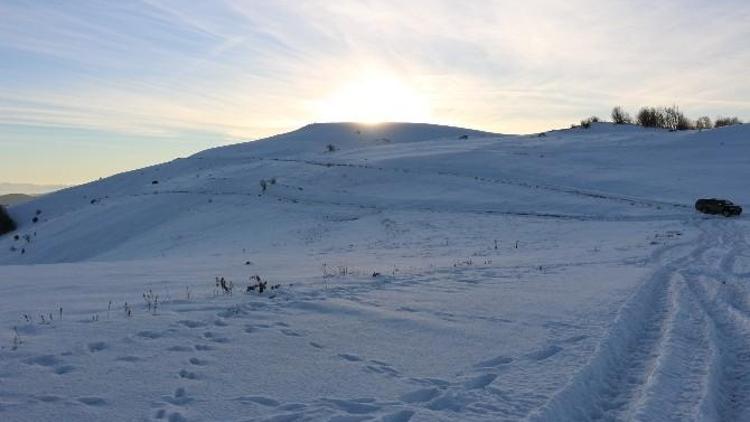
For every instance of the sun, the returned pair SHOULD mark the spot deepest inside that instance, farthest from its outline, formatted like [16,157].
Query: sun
[374,98]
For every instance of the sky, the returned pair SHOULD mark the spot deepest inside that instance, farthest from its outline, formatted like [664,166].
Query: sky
[92,88]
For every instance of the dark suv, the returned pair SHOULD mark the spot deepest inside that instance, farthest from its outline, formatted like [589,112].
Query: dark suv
[718,206]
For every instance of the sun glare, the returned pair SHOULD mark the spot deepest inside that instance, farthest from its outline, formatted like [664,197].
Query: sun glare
[373,99]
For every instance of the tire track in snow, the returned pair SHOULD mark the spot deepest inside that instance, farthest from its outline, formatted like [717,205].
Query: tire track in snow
[724,301]
[633,366]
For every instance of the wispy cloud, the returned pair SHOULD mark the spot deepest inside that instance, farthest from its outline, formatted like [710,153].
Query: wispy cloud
[158,69]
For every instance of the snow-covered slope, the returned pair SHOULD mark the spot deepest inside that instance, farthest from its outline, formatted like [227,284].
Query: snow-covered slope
[425,273]
[214,198]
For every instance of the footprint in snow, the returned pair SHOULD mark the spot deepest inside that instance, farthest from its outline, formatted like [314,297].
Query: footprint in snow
[171,417]
[349,357]
[575,339]
[198,362]
[420,396]
[49,398]
[494,362]
[92,401]
[97,346]
[290,333]
[347,418]
[264,401]
[43,360]
[544,353]
[150,335]
[185,374]
[128,359]
[431,382]
[381,367]
[447,401]
[480,381]
[50,361]
[400,416]
[179,398]
[179,348]
[215,338]
[191,324]
[64,369]
[356,406]
[251,328]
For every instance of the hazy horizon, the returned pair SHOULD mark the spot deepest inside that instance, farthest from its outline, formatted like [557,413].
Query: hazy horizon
[91,89]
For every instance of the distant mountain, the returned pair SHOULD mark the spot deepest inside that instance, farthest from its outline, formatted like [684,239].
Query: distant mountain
[14,198]
[28,188]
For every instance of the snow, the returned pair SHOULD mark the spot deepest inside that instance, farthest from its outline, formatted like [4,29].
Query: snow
[541,278]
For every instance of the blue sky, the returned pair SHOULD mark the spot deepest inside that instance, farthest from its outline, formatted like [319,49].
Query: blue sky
[91,88]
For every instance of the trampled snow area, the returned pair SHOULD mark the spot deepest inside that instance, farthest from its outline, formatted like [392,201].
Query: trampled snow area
[424,273]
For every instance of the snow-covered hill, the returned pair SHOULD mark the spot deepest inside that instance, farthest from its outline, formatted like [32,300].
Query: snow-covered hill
[214,200]
[425,273]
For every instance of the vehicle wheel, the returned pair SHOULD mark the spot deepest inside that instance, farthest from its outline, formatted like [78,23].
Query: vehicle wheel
[726,213]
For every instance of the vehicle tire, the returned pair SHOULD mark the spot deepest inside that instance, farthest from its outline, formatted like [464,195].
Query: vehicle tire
[726,213]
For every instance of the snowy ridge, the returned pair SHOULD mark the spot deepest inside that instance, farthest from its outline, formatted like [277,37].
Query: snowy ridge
[315,137]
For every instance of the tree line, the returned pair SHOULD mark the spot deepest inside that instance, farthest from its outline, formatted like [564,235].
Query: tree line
[671,118]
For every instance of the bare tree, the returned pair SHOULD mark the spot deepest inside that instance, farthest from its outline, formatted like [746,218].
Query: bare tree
[704,122]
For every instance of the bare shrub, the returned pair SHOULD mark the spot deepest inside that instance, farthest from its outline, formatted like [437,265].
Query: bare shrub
[650,117]
[704,122]
[7,224]
[727,121]
[621,117]
[586,123]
